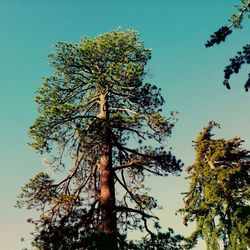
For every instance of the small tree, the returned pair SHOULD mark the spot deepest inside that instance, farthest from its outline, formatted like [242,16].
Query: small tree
[218,196]
[160,241]
[96,110]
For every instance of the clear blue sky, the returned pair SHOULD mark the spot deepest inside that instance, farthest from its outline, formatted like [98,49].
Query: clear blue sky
[189,75]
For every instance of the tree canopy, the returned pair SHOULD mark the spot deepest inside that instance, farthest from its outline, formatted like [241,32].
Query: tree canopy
[96,111]
[218,196]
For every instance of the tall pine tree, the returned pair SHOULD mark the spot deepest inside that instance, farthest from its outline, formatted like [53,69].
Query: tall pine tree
[96,110]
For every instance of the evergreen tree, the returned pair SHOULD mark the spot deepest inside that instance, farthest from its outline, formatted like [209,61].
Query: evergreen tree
[162,241]
[95,110]
[218,196]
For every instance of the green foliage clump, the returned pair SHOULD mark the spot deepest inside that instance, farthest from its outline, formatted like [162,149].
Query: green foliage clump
[218,196]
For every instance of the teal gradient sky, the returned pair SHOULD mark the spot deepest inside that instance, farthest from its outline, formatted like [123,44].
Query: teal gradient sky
[189,74]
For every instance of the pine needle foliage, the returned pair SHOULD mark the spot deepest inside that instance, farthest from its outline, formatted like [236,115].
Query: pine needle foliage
[218,196]
[243,56]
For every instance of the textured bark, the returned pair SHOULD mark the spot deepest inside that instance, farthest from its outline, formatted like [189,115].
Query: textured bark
[107,190]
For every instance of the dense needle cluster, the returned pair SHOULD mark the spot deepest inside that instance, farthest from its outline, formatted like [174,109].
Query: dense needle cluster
[241,58]
[218,195]
[218,36]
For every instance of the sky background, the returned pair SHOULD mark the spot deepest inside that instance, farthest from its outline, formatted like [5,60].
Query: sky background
[189,74]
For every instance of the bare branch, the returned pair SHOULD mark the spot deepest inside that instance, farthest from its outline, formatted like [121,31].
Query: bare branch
[133,210]
[128,191]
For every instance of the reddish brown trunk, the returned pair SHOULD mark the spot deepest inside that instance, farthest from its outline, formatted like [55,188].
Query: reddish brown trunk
[107,190]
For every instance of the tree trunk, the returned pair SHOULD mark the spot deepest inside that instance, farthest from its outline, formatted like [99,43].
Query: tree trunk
[107,189]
